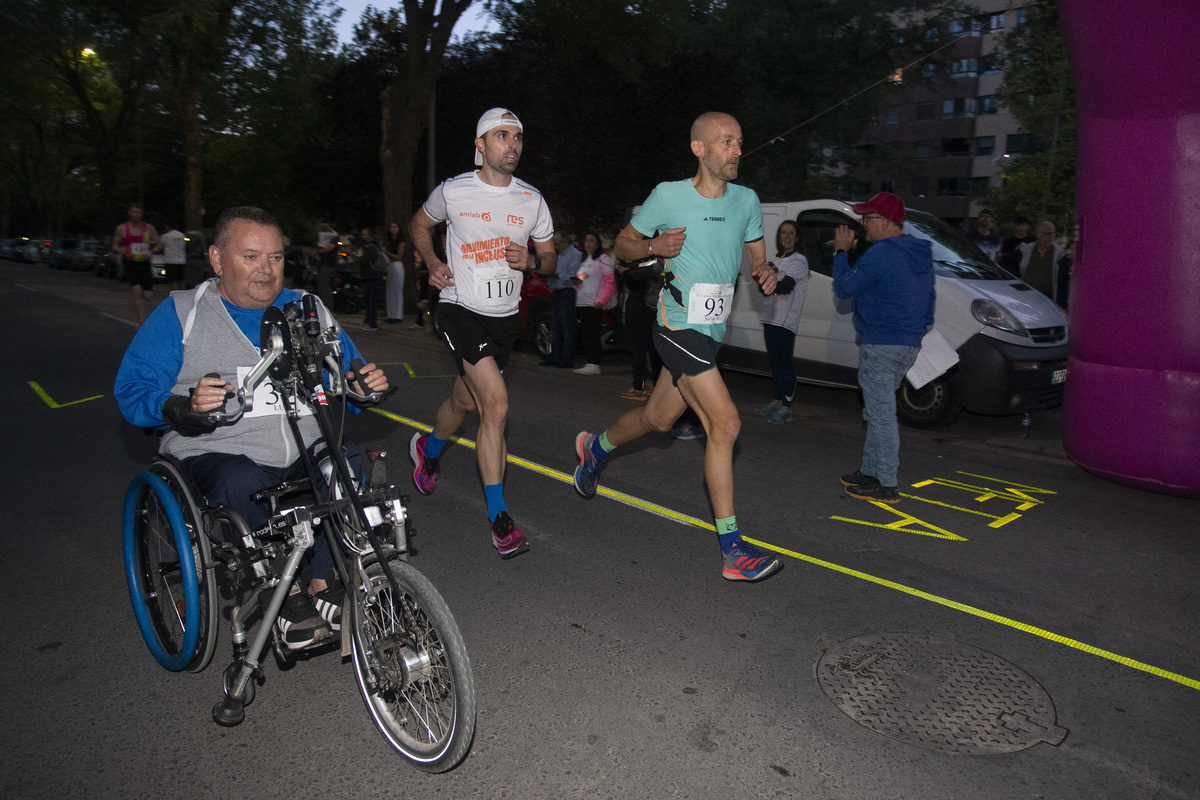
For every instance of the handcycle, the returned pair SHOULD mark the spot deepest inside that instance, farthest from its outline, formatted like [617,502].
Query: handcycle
[410,661]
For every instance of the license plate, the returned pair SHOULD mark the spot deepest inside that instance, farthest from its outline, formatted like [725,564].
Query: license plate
[1059,376]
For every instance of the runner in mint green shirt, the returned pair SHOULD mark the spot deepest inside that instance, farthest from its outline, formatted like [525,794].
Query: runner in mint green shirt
[711,254]
[700,226]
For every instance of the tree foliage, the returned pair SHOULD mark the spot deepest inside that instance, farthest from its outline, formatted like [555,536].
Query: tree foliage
[1040,92]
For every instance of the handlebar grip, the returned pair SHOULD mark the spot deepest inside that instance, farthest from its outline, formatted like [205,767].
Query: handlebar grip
[217,375]
[356,367]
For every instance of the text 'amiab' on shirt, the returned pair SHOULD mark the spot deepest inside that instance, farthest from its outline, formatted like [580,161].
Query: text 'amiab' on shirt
[481,220]
[711,258]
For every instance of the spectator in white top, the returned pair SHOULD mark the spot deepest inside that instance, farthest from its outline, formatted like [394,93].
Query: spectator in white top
[596,288]
[780,318]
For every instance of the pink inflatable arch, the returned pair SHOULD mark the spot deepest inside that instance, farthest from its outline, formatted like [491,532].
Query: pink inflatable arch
[1132,406]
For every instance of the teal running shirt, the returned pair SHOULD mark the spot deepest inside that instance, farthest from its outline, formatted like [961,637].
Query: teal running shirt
[712,252]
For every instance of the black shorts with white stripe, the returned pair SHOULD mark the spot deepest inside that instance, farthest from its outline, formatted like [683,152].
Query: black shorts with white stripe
[685,351]
[473,337]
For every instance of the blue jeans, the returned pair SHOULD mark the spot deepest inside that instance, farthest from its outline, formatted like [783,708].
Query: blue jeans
[564,327]
[881,368]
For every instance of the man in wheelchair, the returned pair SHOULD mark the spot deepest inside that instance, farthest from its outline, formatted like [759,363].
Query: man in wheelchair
[187,358]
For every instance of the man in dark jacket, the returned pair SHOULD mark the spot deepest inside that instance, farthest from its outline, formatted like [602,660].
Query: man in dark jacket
[372,264]
[892,287]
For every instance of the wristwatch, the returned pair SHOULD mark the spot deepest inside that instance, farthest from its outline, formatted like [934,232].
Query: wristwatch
[651,246]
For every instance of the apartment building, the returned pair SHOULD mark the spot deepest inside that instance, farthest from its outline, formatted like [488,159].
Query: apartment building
[945,137]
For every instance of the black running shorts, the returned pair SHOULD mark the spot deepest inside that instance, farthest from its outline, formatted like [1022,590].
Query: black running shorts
[137,273]
[685,351]
[472,337]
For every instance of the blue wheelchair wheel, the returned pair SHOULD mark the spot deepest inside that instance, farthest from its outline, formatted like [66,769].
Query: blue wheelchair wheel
[164,577]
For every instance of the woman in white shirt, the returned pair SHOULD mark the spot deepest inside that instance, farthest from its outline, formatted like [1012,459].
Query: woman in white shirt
[596,287]
[780,317]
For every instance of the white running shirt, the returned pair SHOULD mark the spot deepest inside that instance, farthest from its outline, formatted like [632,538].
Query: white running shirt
[174,244]
[481,220]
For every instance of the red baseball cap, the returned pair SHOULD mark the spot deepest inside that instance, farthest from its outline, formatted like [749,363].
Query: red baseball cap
[885,204]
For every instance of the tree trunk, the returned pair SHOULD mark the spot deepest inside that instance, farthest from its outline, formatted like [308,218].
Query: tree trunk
[403,119]
[193,156]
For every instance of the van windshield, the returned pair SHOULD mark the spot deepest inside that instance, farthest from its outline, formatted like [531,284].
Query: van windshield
[953,254]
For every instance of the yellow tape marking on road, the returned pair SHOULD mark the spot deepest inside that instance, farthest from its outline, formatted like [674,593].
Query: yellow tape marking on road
[1010,484]
[903,524]
[684,519]
[984,493]
[50,401]
[999,521]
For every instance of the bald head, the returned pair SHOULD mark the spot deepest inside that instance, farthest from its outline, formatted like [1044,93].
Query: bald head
[704,125]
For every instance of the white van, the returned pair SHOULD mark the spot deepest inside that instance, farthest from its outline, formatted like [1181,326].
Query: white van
[1011,339]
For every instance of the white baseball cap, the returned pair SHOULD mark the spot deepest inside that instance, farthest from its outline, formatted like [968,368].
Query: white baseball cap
[493,118]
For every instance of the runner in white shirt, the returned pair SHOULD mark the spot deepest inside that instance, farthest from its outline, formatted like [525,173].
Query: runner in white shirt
[174,250]
[490,217]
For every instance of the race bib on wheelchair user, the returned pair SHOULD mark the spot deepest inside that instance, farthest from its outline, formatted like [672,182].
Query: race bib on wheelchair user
[268,401]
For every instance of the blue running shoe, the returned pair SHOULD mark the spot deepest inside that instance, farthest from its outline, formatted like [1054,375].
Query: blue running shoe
[587,474]
[747,563]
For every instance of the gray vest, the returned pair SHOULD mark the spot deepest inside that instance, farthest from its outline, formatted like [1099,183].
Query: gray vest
[212,342]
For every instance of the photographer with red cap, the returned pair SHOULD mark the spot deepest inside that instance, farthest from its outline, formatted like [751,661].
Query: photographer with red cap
[892,287]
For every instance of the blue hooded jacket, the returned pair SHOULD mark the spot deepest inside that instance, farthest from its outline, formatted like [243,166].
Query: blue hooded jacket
[892,287]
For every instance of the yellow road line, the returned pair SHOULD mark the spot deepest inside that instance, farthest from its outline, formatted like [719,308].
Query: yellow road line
[684,519]
[51,402]
[977,612]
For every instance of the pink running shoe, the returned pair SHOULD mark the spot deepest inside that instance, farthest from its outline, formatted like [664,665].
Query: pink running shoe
[508,540]
[425,474]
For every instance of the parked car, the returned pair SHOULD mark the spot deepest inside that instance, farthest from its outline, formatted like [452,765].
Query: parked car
[534,320]
[31,251]
[107,263]
[534,310]
[8,248]
[73,253]
[1010,339]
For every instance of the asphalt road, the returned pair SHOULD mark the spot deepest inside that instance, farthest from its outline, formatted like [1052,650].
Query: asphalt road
[612,660]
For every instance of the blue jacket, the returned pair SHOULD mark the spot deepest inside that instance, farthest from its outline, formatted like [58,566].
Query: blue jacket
[568,267]
[892,287]
[151,365]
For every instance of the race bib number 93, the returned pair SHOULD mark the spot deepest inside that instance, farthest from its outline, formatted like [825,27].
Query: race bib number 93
[709,303]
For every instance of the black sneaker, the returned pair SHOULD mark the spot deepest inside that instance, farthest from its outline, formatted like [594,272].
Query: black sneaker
[881,494]
[299,623]
[856,478]
[329,603]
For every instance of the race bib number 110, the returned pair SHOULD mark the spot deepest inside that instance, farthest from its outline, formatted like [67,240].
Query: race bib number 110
[495,287]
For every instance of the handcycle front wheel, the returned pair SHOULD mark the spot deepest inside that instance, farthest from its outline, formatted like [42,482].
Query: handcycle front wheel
[412,667]
[166,555]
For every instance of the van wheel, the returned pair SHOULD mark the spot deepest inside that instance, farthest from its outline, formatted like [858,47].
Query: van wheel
[541,334]
[934,405]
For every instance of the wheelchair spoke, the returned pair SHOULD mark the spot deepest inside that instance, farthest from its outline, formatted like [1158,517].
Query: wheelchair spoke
[415,683]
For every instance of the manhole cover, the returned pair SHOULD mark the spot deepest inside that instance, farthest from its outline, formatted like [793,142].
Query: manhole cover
[938,693]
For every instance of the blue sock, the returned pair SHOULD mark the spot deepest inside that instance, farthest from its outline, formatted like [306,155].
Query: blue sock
[601,447]
[433,445]
[727,530]
[495,500]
